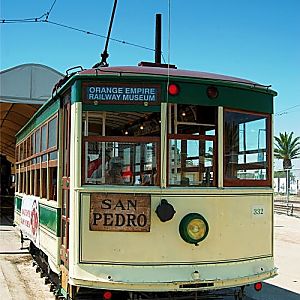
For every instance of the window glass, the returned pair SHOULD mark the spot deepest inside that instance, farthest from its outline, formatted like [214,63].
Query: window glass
[27,182]
[193,119]
[44,182]
[33,143]
[21,183]
[44,138]
[53,183]
[130,157]
[21,151]
[53,155]
[25,148]
[125,163]
[52,137]
[245,146]
[17,182]
[121,124]
[37,183]
[192,143]
[38,141]
[32,181]
[191,162]
[29,146]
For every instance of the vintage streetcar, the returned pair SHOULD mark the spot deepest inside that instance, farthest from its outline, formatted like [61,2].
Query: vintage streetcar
[149,181]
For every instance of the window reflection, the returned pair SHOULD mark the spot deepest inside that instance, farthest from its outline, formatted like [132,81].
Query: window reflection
[245,146]
[192,130]
[191,162]
[121,148]
[125,163]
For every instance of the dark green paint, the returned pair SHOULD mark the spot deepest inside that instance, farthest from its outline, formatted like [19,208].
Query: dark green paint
[50,218]
[193,91]
[76,92]
[121,108]
[236,98]
[18,204]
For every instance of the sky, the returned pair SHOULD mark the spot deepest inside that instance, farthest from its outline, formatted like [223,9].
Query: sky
[256,40]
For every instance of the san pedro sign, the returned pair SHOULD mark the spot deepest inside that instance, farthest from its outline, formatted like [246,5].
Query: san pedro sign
[120,212]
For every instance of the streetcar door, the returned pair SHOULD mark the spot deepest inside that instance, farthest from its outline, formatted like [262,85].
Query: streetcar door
[65,211]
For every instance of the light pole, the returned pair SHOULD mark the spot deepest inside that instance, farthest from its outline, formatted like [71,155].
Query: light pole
[287,165]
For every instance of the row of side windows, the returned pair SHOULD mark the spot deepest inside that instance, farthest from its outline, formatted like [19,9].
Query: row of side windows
[36,162]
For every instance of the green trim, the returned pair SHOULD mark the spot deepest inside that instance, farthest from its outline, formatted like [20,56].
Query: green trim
[76,92]
[234,95]
[121,108]
[38,119]
[229,97]
[193,91]
[50,218]
[18,203]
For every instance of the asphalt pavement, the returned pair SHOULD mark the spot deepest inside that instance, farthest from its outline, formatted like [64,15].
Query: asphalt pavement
[286,285]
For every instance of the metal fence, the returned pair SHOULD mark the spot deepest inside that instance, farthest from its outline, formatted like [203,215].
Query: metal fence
[287,192]
[287,182]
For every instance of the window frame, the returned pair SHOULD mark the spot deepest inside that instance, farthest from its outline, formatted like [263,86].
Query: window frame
[29,169]
[128,139]
[237,182]
[197,138]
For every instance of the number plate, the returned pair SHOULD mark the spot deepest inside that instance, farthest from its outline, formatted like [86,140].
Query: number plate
[258,211]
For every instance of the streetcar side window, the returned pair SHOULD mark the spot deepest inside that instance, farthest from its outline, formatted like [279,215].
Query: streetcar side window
[192,145]
[246,148]
[37,160]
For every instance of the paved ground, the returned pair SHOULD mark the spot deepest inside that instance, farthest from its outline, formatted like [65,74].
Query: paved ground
[18,279]
[285,286]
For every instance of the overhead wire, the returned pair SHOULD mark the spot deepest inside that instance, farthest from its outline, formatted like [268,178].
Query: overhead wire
[25,20]
[166,114]
[45,19]
[286,111]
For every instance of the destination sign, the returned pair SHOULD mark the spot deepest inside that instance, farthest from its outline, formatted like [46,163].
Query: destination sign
[122,93]
[120,212]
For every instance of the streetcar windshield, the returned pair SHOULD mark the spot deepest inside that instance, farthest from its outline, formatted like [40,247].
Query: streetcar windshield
[192,145]
[121,148]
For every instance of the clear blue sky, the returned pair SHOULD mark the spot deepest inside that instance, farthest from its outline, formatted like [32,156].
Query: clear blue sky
[257,40]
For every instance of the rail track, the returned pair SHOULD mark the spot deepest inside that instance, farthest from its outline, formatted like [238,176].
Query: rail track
[292,208]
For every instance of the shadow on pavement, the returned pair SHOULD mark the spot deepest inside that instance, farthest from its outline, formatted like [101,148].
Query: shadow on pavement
[6,220]
[270,292]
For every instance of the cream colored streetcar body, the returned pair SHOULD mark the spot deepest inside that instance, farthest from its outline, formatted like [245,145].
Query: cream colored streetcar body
[144,182]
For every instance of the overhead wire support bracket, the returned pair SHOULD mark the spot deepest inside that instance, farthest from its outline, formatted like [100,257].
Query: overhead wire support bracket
[104,54]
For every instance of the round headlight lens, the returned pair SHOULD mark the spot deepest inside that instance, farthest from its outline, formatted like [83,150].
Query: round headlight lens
[193,228]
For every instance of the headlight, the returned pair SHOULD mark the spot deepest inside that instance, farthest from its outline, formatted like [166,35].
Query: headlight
[193,228]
